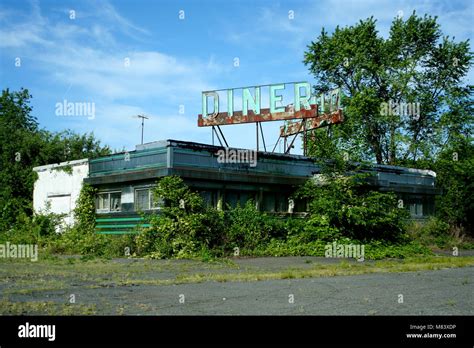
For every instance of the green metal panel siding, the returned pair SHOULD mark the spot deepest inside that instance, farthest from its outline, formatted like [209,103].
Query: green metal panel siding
[119,225]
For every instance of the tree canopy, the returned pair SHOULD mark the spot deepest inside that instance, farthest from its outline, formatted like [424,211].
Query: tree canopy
[405,103]
[23,145]
[415,65]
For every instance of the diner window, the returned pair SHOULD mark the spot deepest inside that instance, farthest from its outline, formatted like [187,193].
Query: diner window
[109,202]
[144,200]
[416,209]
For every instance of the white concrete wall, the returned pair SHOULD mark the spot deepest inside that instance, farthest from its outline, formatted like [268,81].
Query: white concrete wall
[59,188]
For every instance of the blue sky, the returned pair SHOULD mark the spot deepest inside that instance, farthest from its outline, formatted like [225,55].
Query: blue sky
[171,60]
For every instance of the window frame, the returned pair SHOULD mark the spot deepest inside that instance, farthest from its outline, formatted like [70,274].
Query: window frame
[109,208]
[151,205]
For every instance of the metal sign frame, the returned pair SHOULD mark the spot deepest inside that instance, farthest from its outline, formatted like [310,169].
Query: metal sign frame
[305,107]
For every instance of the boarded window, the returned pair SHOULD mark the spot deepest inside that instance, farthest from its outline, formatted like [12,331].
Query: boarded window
[60,204]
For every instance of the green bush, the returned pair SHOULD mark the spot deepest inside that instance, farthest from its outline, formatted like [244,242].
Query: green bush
[84,212]
[379,250]
[185,227]
[374,250]
[342,206]
[246,226]
[455,178]
[74,241]
[37,229]
[438,233]
[318,227]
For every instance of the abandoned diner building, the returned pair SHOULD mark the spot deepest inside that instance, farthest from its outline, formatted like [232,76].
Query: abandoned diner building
[125,181]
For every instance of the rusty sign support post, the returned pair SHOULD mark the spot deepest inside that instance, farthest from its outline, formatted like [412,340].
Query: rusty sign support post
[256,133]
[263,137]
[223,137]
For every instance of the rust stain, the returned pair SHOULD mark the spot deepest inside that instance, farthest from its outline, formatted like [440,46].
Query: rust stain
[223,118]
[312,123]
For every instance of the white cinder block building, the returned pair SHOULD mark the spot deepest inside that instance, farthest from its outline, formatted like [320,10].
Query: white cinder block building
[58,186]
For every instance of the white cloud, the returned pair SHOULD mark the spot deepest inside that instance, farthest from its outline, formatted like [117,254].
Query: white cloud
[85,59]
[85,63]
[64,50]
[108,12]
[108,75]
[310,17]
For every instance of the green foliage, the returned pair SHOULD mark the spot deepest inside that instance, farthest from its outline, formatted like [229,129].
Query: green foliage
[439,234]
[178,198]
[68,145]
[23,146]
[415,63]
[198,231]
[247,227]
[84,212]
[18,153]
[37,229]
[342,206]
[455,177]
[374,250]
[75,242]
[185,226]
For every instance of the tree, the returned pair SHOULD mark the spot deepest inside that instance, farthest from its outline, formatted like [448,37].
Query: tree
[19,149]
[383,79]
[23,146]
[455,177]
[344,206]
[68,145]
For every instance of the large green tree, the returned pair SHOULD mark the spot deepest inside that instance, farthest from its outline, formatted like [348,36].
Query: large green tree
[20,145]
[414,64]
[23,145]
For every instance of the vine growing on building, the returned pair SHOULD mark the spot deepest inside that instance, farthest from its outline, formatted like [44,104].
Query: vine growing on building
[84,212]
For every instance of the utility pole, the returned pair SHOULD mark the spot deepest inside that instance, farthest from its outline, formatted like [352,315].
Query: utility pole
[143,123]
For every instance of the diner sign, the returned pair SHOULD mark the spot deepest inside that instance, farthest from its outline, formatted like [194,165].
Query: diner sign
[244,104]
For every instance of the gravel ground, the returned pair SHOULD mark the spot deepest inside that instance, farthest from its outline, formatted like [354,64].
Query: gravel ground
[441,292]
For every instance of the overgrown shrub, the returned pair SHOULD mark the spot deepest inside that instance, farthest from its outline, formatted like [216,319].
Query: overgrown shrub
[37,229]
[438,233]
[185,227]
[455,178]
[246,226]
[341,206]
[84,212]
